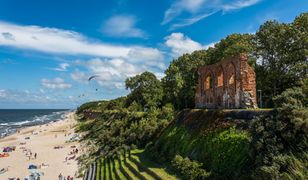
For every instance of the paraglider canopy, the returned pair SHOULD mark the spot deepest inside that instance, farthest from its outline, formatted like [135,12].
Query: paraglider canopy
[92,77]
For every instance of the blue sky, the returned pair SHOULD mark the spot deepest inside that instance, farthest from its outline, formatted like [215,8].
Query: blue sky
[48,49]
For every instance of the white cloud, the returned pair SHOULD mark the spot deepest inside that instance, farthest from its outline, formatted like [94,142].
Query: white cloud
[79,76]
[190,21]
[56,83]
[36,99]
[192,11]
[114,61]
[110,70]
[52,40]
[147,56]
[111,73]
[180,6]
[122,26]
[239,4]
[62,67]
[159,75]
[9,96]
[2,93]
[180,44]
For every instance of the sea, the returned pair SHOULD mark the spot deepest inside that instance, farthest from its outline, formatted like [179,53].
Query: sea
[13,119]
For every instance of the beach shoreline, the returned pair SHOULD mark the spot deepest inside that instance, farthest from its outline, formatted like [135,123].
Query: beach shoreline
[26,119]
[44,146]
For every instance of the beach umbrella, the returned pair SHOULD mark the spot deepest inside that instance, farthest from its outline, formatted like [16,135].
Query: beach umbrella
[36,172]
[31,166]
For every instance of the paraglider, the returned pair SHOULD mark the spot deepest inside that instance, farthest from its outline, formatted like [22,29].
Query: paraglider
[82,95]
[92,77]
[93,85]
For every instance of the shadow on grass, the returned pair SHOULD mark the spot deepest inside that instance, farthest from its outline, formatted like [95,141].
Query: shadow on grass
[145,163]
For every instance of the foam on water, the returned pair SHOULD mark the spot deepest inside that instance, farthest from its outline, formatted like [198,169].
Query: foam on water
[17,120]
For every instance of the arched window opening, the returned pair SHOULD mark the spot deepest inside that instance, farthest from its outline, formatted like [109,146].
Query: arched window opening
[208,84]
[231,81]
[220,78]
[220,86]
[231,75]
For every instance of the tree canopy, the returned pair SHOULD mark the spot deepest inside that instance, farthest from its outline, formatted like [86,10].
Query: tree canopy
[146,90]
[282,50]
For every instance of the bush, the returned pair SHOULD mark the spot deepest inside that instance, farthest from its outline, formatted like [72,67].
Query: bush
[188,169]
[225,152]
[279,142]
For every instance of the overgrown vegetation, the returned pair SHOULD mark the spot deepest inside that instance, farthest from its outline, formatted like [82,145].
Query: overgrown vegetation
[188,169]
[117,129]
[206,145]
[223,153]
[279,146]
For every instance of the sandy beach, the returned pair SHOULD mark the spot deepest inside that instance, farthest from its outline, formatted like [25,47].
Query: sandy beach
[42,140]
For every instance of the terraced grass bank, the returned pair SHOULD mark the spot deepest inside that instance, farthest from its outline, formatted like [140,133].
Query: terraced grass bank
[132,167]
[217,139]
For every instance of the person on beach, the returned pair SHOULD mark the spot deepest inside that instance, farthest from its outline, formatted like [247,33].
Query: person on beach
[60,176]
[35,156]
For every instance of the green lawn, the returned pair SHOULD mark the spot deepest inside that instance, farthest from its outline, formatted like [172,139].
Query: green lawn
[137,167]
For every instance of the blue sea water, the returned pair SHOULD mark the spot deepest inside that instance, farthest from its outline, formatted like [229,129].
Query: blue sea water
[12,119]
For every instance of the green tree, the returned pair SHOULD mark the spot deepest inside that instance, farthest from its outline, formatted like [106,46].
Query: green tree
[279,143]
[282,50]
[146,90]
[181,78]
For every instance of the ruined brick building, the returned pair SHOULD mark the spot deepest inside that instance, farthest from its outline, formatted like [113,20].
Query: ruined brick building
[229,83]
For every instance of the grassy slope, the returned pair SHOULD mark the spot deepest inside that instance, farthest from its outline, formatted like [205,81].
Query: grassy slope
[138,167]
[218,142]
[160,170]
[221,144]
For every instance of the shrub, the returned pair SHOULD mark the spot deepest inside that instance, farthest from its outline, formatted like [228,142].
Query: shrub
[189,169]
[225,152]
[279,142]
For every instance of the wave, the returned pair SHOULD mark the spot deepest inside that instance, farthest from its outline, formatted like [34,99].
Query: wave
[7,127]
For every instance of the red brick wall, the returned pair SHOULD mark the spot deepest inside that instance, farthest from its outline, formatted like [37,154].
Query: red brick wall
[227,84]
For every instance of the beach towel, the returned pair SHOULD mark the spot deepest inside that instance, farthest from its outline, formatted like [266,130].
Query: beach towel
[3,171]
[7,149]
[4,155]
